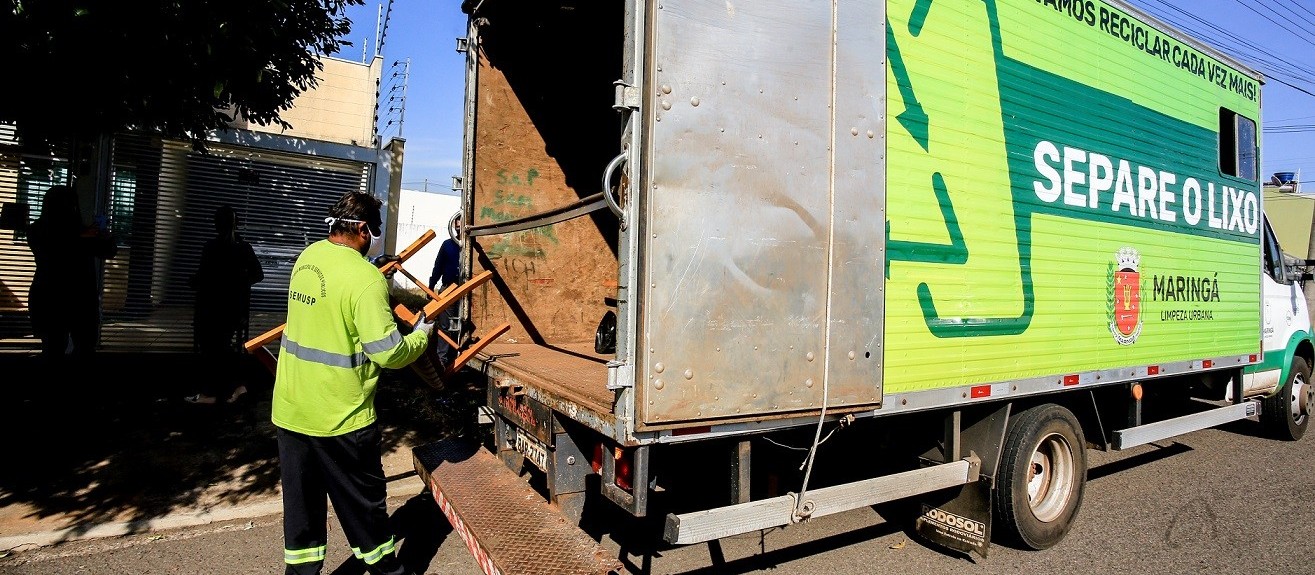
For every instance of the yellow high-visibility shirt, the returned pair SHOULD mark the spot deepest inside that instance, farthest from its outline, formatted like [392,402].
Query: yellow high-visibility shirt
[339,335]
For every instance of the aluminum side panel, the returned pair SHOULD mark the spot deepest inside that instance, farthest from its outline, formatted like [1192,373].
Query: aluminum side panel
[859,213]
[738,209]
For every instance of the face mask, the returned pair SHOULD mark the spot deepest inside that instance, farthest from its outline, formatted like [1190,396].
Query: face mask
[376,246]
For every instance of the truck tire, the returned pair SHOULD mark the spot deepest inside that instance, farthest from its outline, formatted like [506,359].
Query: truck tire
[1043,469]
[1286,414]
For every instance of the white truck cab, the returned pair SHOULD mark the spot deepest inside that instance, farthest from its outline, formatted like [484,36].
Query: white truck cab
[1284,374]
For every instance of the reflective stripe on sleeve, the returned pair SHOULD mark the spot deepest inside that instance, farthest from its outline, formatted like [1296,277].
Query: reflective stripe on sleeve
[389,342]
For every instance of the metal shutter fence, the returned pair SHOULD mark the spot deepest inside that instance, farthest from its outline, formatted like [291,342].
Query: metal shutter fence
[160,205]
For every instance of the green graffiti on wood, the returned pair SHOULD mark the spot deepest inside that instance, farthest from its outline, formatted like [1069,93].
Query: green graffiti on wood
[506,178]
[509,204]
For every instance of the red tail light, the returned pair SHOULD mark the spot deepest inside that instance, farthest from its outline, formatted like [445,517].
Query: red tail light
[625,472]
[596,459]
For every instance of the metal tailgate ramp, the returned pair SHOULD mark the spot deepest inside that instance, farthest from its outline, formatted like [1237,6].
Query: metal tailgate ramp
[509,527]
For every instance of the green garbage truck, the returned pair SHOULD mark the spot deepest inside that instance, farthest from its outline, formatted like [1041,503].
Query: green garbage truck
[768,261]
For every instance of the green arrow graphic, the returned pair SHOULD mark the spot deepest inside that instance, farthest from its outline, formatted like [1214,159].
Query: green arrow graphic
[913,118]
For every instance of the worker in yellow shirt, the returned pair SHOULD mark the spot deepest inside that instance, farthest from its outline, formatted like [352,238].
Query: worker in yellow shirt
[340,334]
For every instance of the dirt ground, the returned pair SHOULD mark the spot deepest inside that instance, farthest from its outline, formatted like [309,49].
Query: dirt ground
[113,441]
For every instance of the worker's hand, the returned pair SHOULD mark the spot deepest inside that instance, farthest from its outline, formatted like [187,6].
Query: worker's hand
[385,259]
[424,324]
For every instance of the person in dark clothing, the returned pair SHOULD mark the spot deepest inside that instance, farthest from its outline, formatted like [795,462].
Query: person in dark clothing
[64,299]
[447,266]
[222,282]
[447,271]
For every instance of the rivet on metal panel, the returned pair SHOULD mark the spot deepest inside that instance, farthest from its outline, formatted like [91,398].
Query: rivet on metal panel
[657,118]
[853,131]
[809,356]
[666,89]
[689,374]
[851,356]
[719,349]
[808,382]
[694,101]
[901,402]
[871,134]
[755,396]
[666,105]
[658,384]
[570,460]
[659,367]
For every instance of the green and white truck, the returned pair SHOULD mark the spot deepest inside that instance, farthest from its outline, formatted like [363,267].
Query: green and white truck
[767,261]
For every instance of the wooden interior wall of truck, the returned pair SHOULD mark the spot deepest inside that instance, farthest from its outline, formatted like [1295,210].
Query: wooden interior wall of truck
[544,131]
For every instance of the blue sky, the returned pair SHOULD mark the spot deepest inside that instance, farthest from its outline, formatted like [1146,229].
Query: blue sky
[1276,37]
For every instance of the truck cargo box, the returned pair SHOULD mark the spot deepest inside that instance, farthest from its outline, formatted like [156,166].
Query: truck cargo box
[872,207]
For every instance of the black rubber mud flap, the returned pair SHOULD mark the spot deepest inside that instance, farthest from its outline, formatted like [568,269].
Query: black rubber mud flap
[958,518]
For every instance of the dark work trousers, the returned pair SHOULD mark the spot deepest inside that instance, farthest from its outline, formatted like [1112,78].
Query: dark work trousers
[349,470]
[441,348]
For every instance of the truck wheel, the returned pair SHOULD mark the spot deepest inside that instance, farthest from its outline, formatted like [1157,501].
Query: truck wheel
[1043,469]
[1286,414]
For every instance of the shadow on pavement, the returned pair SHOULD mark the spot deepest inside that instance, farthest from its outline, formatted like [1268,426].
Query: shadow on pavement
[113,441]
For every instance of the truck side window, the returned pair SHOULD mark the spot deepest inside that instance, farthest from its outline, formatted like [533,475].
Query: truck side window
[1237,145]
[1273,256]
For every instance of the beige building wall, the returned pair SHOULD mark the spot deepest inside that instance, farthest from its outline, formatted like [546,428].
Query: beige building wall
[1291,216]
[340,109]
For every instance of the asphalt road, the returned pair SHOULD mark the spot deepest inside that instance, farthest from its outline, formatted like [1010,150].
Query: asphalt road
[1224,500]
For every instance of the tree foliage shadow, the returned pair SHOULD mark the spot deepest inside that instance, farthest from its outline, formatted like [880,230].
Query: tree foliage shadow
[113,441]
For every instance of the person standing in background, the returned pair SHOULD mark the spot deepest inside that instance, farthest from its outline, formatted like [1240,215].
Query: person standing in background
[339,336]
[447,271]
[64,299]
[222,284]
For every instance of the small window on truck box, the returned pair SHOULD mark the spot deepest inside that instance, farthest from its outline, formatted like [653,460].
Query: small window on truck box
[1237,145]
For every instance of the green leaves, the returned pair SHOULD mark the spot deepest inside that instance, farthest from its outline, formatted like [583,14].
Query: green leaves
[81,68]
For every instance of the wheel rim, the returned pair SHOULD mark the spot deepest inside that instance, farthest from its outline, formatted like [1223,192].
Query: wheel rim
[1302,395]
[1050,477]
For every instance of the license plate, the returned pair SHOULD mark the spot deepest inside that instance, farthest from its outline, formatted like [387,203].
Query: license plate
[533,449]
